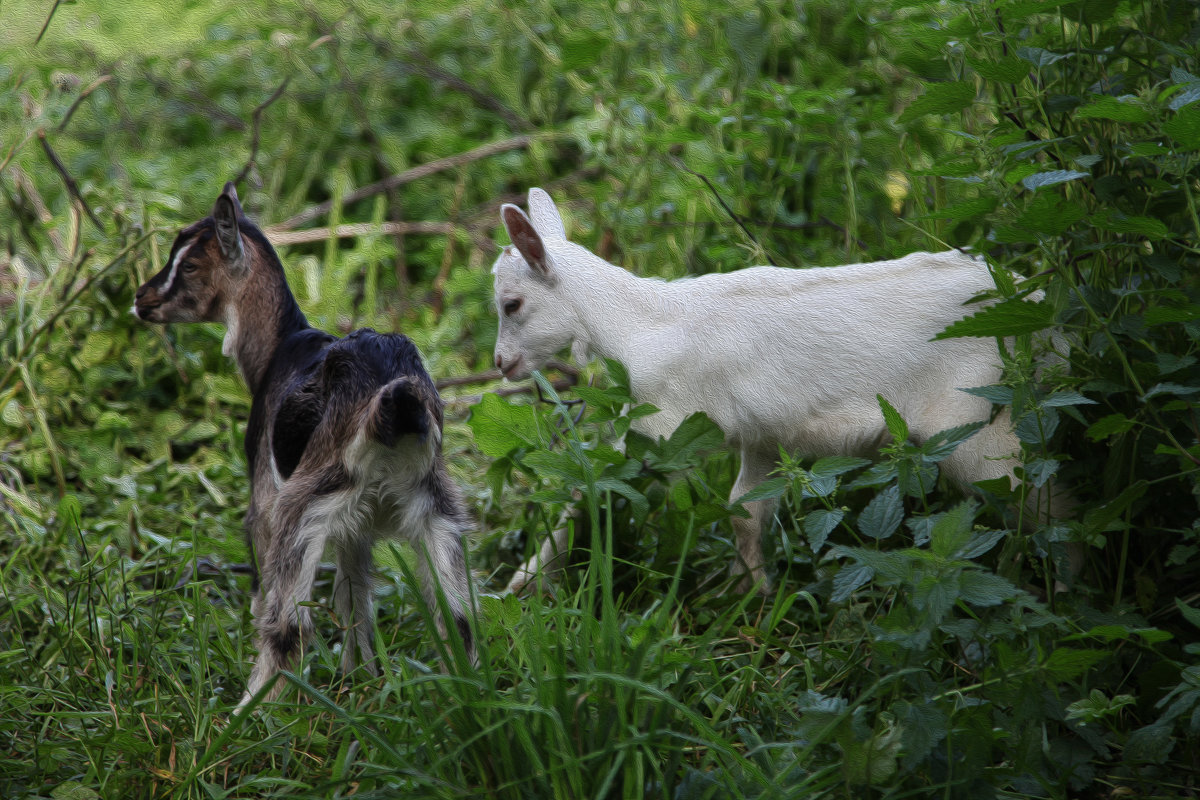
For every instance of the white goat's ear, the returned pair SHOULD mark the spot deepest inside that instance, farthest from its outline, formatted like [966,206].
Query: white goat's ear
[544,213]
[225,214]
[526,239]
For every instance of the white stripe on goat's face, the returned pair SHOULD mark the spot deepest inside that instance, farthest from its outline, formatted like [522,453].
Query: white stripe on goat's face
[179,254]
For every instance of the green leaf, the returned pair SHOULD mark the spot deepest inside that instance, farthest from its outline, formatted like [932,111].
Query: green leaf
[1067,663]
[1097,520]
[952,530]
[1105,427]
[1066,398]
[848,580]
[1115,109]
[1049,213]
[1006,69]
[883,514]
[501,427]
[1040,57]
[939,446]
[818,524]
[940,98]
[996,394]
[1169,388]
[968,209]
[985,589]
[1192,615]
[838,465]
[767,490]
[1184,127]
[695,435]
[1151,744]
[582,48]
[1116,222]
[1041,180]
[895,423]
[1009,318]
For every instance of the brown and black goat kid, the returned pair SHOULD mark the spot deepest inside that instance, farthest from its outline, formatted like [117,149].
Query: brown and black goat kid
[343,443]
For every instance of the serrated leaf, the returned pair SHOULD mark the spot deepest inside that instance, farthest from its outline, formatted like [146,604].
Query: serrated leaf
[1049,213]
[952,530]
[981,542]
[1116,222]
[1067,663]
[968,209]
[1192,615]
[848,580]
[1006,69]
[819,524]
[767,490]
[939,446]
[695,435]
[1115,109]
[501,427]
[1169,388]
[1041,470]
[891,417]
[883,514]
[985,589]
[1184,127]
[1150,744]
[1066,397]
[838,465]
[1010,318]
[940,98]
[1040,57]
[1041,180]
[999,395]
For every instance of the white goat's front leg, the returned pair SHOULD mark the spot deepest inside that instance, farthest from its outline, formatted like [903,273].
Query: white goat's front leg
[353,602]
[748,532]
[547,562]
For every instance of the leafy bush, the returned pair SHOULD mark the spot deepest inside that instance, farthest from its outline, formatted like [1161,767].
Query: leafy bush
[917,641]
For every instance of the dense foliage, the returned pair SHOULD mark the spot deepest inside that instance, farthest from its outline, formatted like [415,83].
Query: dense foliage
[916,642]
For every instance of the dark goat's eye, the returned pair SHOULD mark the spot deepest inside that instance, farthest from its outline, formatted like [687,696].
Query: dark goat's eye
[511,307]
[190,266]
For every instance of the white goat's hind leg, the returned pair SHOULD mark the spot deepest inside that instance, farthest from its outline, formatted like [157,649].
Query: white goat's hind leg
[748,532]
[353,602]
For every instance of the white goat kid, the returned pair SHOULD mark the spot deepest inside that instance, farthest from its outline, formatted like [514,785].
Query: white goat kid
[776,357]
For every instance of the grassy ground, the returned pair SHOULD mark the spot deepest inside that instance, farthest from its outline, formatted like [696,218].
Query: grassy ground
[929,656]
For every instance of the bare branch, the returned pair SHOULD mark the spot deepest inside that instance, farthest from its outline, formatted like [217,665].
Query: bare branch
[256,127]
[46,24]
[679,163]
[91,87]
[72,187]
[282,238]
[410,175]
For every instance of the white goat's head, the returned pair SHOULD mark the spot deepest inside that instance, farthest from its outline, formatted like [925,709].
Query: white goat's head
[536,316]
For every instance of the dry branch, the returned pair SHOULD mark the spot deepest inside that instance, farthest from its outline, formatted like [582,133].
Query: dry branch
[281,238]
[256,127]
[72,187]
[91,87]
[409,175]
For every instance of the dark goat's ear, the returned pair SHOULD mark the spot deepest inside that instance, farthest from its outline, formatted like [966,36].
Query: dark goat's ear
[527,240]
[225,214]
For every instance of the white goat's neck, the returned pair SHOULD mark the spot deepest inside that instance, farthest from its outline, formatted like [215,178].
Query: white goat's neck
[610,303]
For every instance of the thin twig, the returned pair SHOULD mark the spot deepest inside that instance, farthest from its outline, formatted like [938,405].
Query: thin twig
[91,87]
[570,372]
[409,175]
[679,163]
[62,309]
[72,187]
[46,24]
[282,238]
[439,282]
[256,126]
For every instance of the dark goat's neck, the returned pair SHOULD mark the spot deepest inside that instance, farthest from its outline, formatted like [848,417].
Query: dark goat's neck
[262,315]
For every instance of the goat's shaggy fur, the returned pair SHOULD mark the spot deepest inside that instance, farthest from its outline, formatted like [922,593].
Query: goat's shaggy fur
[343,442]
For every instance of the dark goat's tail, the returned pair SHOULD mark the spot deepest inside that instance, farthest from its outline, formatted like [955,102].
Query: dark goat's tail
[407,405]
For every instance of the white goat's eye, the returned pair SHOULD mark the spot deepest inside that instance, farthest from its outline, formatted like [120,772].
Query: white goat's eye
[511,307]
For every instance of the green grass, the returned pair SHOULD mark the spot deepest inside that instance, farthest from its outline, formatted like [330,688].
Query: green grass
[929,658]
